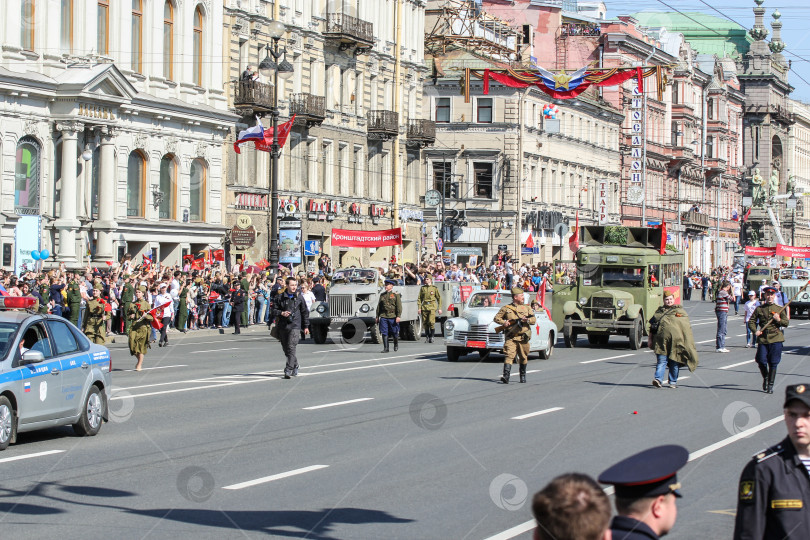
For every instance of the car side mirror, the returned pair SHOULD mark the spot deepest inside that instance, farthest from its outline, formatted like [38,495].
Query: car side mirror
[32,357]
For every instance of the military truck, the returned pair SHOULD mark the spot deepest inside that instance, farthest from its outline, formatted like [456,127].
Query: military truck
[622,273]
[792,280]
[756,277]
[351,308]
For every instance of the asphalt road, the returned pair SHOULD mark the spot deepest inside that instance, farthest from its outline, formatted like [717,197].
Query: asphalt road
[211,442]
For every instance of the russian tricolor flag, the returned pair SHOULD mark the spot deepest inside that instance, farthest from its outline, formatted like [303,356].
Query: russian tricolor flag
[256,133]
[27,387]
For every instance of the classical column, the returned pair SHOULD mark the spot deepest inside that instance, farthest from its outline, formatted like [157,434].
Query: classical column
[105,226]
[67,224]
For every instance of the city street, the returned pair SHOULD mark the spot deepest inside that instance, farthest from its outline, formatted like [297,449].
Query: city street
[210,442]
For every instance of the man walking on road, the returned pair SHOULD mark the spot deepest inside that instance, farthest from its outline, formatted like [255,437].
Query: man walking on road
[775,487]
[291,315]
[161,299]
[721,311]
[769,340]
[389,311]
[516,320]
[428,305]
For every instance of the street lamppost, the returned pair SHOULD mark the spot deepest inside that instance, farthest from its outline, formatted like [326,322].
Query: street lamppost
[271,66]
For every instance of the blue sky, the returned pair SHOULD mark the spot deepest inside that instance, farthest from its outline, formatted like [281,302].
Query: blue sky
[795,17]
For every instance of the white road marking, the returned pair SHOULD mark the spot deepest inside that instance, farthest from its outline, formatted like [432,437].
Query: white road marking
[178,343]
[707,341]
[531,524]
[156,367]
[213,350]
[751,361]
[698,324]
[608,358]
[337,403]
[534,371]
[538,413]
[336,350]
[28,456]
[274,477]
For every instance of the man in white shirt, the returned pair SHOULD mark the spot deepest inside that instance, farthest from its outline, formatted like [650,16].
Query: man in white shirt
[166,316]
[736,290]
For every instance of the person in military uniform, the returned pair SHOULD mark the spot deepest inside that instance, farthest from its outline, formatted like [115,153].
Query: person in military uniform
[238,302]
[182,306]
[94,323]
[45,294]
[672,341]
[244,284]
[127,296]
[389,311]
[516,320]
[74,299]
[140,327]
[774,486]
[428,306]
[646,492]
[771,319]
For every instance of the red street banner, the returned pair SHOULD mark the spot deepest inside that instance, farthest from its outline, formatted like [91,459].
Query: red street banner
[346,238]
[791,251]
[760,251]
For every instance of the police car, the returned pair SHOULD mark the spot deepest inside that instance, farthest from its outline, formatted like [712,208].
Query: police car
[50,373]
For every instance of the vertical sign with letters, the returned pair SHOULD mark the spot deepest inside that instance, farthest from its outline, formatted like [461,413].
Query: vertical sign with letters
[602,186]
[635,191]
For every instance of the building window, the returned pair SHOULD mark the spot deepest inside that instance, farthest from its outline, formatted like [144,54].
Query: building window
[675,96]
[442,177]
[197,189]
[26,177]
[137,36]
[710,109]
[27,41]
[484,112]
[168,183]
[136,182]
[66,34]
[710,147]
[483,180]
[198,46]
[443,110]
[103,26]
[168,40]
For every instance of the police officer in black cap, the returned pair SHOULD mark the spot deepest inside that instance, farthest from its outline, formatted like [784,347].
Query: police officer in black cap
[646,489]
[774,487]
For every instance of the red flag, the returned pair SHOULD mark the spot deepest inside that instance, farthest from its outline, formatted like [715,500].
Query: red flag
[147,263]
[219,254]
[283,132]
[530,241]
[663,247]
[109,263]
[264,263]
[198,264]
[542,295]
[573,242]
[747,214]
[156,323]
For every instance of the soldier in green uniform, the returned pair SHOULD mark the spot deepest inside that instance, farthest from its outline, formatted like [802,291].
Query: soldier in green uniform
[141,322]
[516,320]
[771,339]
[389,311]
[127,296]
[428,306]
[94,323]
[182,307]
[74,299]
[45,293]
[245,284]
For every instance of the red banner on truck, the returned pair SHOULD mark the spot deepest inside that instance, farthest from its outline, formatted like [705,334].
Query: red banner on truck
[760,251]
[347,238]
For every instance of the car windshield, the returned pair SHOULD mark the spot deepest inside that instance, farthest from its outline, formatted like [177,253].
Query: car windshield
[355,275]
[759,272]
[794,273]
[490,299]
[7,332]
[613,276]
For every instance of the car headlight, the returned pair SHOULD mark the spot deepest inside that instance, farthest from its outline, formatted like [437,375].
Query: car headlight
[583,301]
[364,308]
[449,326]
[620,304]
[321,309]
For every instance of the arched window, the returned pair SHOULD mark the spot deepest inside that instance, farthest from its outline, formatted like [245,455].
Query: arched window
[168,184]
[168,40]
[103,44]
[137,36]
[197,189]
[198,46]
[136,184]
[28,26]
[26,177]
[66,33]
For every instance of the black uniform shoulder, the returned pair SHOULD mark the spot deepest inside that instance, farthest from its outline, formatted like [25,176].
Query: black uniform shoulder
[768,453]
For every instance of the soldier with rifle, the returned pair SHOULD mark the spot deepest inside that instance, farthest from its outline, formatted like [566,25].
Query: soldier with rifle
[515,322]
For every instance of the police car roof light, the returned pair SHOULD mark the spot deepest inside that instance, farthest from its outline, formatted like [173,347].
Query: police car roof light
[17,302]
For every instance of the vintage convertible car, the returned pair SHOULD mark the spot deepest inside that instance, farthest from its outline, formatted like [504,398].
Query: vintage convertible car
[475,329]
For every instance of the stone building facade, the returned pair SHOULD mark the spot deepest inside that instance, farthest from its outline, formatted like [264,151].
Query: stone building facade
[112,118]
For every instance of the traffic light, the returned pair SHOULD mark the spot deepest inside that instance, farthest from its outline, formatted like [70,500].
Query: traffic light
[454,190]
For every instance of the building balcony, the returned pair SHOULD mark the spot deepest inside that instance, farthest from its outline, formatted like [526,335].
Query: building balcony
[421,132]
[382,124]
[682,110]
[253,97]
[716,126]
[349,31]
[695,220]
[309,110]
[682,153]
[715,165]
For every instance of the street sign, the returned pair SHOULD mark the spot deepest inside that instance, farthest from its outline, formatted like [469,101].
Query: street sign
[312,248]
[561,229]
[503,247]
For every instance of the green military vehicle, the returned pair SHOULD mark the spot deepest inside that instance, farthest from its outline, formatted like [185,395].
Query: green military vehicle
[757,276]
[621,278]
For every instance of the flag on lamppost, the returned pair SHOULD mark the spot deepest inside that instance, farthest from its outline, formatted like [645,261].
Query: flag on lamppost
[255,134]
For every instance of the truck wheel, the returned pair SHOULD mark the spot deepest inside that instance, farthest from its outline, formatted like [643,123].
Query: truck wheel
[636,334]
[545,354]
[415,331]
[570,336]
[374,333]
[454,353]
[319,334]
